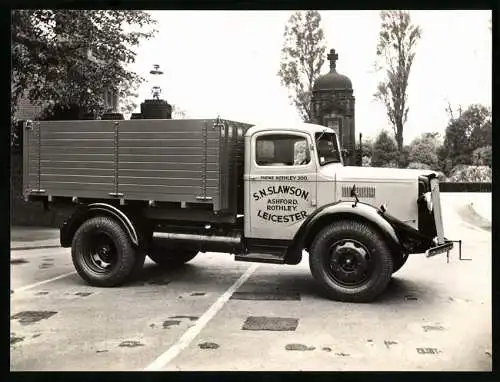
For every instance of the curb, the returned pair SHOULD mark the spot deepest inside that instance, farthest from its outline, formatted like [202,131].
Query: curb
[34,247]
[39,244]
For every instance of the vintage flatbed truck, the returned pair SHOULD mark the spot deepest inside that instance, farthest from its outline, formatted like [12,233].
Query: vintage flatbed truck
[169,189]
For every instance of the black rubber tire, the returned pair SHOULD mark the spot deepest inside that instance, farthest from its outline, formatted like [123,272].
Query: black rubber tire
[168,256]
[399,262]
[379,255]
[129,260]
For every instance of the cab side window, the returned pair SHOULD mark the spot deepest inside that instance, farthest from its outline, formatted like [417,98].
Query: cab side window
[282,150]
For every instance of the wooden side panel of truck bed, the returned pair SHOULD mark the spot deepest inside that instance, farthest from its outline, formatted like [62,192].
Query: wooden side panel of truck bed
[69,160]
[168,160]
[160,160]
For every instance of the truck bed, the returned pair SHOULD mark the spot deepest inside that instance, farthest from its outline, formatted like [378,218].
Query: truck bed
[190,161]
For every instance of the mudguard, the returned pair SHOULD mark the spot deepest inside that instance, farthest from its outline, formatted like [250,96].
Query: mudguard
[335,211]
[69,227]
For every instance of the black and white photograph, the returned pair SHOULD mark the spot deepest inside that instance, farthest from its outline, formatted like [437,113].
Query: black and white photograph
[251,190]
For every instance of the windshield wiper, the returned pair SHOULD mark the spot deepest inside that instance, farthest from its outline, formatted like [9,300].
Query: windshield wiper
[321,136]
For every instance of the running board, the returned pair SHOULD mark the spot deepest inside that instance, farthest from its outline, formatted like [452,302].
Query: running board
[261,258]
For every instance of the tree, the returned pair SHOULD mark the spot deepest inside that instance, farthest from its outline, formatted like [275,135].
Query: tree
[302,57]
[424,150]
[469,130]
[385,151]
[396,48]
[178,113]
[70,57]
[482,156]
[466,174]
[367,147]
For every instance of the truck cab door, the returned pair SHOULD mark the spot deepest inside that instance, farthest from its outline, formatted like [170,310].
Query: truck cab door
[280,184]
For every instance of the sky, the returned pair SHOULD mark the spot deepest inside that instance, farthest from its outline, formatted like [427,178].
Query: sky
[226,62]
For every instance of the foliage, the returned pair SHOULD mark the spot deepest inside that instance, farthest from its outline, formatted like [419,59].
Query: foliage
[424,150]
[419,166]
[470,130]
[366,161]
[178,113]
[61,112]
[396,48]
[384,151]
[302,57]
[70,57]
[482,156]
[367,147]
[465,173]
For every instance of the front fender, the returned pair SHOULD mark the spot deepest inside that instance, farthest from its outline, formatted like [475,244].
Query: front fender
[335,211]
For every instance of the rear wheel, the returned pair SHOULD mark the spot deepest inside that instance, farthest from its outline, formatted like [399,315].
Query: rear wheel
[350,262]
[103,254]
[170,256]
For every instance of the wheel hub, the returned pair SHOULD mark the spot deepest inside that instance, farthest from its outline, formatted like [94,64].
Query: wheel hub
[101,255]
[349,262]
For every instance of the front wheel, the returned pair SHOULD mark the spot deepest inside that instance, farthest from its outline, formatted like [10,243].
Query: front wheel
[103,254]
[350,262]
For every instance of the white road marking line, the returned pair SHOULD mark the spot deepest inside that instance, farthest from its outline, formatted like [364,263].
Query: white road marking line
[24,288]
[194,330]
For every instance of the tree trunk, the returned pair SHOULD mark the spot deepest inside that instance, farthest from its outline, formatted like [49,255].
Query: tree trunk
[399,141]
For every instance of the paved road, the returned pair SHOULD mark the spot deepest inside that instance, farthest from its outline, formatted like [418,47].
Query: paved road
[217,314]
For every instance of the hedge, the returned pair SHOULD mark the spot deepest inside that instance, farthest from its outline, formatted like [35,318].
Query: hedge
[464,187]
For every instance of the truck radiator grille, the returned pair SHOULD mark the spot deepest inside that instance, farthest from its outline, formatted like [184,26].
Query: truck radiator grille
[362,192]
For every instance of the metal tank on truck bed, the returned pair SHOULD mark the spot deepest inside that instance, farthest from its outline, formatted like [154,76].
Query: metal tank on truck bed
[170,189]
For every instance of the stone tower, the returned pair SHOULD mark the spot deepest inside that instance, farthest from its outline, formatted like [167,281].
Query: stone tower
[333,106]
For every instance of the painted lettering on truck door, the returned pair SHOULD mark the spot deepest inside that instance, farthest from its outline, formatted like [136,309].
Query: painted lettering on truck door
[282,184]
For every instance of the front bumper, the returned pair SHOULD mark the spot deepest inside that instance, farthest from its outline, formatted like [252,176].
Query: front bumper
[440,248]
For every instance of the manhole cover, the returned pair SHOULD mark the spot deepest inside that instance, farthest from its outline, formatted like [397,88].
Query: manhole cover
[270,323]
[266,296]
[30,317]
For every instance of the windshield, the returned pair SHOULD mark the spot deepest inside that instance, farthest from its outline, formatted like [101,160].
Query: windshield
[328,151]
